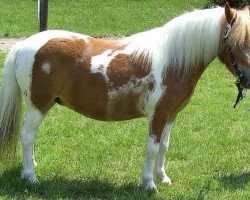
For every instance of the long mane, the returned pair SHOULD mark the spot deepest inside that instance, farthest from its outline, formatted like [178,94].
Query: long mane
[185,42]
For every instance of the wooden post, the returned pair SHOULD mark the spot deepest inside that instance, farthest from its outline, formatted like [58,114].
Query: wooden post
[43,14]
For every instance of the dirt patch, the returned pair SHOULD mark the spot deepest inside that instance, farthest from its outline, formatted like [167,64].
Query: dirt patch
[6,43]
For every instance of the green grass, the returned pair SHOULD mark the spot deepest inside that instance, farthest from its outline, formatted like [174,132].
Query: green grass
[80,158]
[98,17]
[83,158]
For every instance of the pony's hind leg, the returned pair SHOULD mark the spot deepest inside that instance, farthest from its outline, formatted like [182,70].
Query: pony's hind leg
[164,144]
[32,122]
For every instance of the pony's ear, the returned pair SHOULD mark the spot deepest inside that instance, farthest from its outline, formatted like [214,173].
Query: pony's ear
[230,13]
[247,9]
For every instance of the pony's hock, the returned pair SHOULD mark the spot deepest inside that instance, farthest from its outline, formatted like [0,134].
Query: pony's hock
[153,74]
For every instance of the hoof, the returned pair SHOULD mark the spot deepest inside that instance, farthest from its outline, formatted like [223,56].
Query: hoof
[30,177]
[166,181]
[149,185]
[163,178]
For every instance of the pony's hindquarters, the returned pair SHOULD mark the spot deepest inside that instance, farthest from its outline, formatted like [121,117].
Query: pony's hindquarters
[10,108]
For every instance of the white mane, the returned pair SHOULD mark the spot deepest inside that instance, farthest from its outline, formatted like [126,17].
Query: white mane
[184,42]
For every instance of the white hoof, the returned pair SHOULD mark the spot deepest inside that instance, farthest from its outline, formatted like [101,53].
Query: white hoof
[163,178]
[30,177]
[166,180]
[148,184]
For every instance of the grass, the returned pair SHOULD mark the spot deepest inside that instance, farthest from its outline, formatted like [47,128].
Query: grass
[109,17]
[83,158]
[80,158]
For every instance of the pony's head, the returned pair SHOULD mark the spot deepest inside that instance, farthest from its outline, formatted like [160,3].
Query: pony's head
[236,49]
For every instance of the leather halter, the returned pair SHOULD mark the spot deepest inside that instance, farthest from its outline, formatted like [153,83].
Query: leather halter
[241,81]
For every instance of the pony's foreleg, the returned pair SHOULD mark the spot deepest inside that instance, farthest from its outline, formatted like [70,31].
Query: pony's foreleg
[164,144]
[32,121]
[151,153]
[148,172]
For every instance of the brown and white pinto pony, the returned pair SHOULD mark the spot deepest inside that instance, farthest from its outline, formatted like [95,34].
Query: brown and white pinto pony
[153,74]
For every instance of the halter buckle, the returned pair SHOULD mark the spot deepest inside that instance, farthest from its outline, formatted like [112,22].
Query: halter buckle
[228,28]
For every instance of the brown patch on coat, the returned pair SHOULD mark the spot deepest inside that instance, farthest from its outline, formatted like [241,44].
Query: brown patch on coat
[179,90]
[71,80]
[98,46]
[123,71]
[124,106]
[127,67]
[151,86]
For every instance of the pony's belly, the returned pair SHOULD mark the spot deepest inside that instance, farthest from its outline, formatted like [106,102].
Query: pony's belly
[106,108]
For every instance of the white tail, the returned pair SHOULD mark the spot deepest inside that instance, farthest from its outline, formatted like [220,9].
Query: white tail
[10,108]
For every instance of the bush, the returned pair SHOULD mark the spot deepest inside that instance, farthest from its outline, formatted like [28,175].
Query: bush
[232,3]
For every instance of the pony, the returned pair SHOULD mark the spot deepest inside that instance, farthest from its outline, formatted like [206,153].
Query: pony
[149,74]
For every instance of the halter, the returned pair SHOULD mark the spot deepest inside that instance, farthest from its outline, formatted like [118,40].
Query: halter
[241,81]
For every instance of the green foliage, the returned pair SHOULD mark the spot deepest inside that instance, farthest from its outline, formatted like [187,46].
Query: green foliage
[232,3]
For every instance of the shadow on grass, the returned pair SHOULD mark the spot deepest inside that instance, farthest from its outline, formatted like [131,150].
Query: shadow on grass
[230,182]
[59,187]
[235,181]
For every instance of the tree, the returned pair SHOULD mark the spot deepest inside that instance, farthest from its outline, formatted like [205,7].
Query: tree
[232,3]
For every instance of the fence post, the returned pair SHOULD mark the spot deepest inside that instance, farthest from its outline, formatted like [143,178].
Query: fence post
[43,14]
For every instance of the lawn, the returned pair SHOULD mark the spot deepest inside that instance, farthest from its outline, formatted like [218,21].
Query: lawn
[83,158]
[98,17]
[80,158]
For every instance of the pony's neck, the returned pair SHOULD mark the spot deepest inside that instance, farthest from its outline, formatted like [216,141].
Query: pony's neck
[194,38]
[186,41]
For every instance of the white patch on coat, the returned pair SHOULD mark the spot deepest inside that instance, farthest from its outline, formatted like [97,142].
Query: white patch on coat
[46,67]
[100,63]
[152,43]
[148,99]
[32,122]
[164,144]
[136,86]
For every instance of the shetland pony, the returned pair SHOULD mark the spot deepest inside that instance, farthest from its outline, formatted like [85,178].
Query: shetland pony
[153,74]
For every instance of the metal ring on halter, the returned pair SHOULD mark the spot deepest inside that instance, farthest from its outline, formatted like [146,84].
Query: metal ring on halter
[238,72]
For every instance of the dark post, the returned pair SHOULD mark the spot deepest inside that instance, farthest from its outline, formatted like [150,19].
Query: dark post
[43,15]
